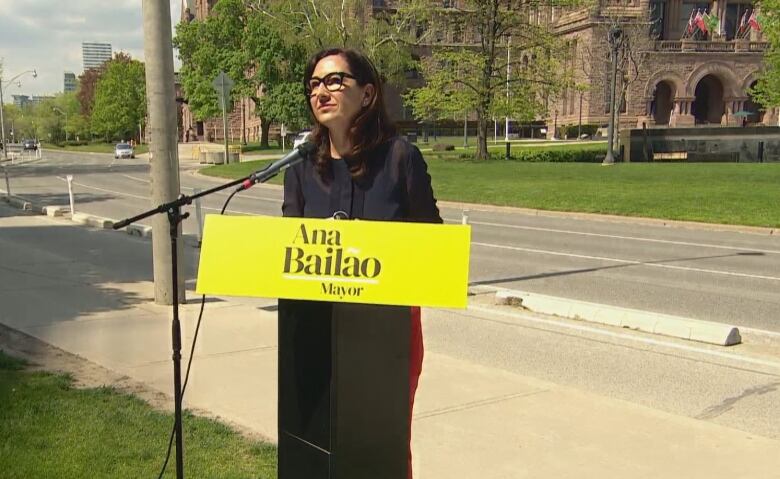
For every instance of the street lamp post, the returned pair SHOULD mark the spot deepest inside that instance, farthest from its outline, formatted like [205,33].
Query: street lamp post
[2,117]
[65,114]
[615,38]
[506,124]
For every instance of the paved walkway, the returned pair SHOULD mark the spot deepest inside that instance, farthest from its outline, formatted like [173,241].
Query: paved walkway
[89,292]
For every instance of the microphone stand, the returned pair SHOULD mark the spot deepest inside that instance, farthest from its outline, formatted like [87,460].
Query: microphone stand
[173,210]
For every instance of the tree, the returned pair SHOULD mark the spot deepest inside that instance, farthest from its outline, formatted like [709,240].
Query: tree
[242,42]
[767,91]
[120,99]
[480,74]
[72,123]
[86,91]
[386,38]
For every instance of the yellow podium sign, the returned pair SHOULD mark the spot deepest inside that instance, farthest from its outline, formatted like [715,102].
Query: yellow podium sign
[374,262]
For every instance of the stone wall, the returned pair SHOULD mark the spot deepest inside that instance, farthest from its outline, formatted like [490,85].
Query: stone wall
[726,144]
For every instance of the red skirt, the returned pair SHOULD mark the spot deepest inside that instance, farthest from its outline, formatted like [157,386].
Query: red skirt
[415,368]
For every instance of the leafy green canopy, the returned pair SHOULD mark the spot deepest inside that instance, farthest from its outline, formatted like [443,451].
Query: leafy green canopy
[512,63]
[120,99]
[767,91]
[264,45]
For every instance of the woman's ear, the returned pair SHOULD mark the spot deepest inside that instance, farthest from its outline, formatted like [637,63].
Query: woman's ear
[368,95]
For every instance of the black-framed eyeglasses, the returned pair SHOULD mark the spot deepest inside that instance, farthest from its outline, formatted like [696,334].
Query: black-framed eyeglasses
[333,82]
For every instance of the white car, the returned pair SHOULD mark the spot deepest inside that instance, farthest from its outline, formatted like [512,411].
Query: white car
[301,138]
[123,150]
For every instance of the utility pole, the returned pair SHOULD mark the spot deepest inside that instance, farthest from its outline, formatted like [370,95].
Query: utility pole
[164,157]
[615,39]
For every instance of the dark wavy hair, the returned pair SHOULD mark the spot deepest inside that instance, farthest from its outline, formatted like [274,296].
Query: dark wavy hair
[370,128]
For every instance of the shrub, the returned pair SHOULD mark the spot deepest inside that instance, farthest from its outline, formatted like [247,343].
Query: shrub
[570,131]
[443,147]
[544,155]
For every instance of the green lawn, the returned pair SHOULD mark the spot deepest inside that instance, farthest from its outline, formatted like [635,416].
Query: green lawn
[729,193]
[256,147]
[48,429]
[94,148]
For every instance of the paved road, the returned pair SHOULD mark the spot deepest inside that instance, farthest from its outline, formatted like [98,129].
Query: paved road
[62,283]
[719,276]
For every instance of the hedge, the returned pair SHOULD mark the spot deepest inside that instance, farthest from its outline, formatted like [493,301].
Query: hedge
[548,156]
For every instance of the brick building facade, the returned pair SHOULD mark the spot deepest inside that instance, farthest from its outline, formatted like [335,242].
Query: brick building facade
[681,81]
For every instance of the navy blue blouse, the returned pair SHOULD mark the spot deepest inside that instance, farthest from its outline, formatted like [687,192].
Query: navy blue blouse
[396,187]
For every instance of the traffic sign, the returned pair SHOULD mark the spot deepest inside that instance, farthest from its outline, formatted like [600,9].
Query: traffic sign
[223,84]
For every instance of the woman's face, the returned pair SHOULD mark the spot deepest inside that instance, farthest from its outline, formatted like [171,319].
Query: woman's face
[335,96]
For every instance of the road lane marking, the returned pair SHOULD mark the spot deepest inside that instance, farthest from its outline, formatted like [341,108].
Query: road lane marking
[223,193]
[631,238]
[630,337]
[627,261]
[117,193]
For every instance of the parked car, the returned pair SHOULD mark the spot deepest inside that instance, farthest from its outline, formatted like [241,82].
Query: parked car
[301,138]
[123,150]
[29,144]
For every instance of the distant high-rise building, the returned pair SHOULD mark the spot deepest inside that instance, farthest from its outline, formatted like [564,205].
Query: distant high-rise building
[21,101]
[69,82]
[95,54]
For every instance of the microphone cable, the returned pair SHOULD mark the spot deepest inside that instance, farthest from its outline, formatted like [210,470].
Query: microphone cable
[189,361]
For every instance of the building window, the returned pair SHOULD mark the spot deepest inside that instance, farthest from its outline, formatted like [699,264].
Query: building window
[734,14]
[657,18]
[685,13]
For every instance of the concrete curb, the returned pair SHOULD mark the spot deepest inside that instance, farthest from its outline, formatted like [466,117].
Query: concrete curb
[94,221]
[18,202]
[139,230]
[55,211]
[88,220]
[655,323]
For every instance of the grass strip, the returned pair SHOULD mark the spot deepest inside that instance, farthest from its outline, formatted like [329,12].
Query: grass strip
[50,429]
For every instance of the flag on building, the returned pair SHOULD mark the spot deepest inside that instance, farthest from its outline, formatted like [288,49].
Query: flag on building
[691,25]
[699,21]
[753,21]
[743,23]
[712,22]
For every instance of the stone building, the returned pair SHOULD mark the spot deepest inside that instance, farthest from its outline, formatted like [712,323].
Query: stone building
[698,80]
[702,79]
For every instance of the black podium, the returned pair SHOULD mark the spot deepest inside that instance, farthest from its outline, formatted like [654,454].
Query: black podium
[343,390]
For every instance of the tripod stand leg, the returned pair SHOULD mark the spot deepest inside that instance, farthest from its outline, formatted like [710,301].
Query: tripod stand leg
[174,218]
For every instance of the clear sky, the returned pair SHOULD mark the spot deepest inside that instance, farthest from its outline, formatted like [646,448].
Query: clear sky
[46,35]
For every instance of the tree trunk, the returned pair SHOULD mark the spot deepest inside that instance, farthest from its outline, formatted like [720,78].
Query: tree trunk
[265,127]
[482,131]
[243,122]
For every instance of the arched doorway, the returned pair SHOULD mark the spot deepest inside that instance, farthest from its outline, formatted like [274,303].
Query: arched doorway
[755,109]
[708,105]
[662,103]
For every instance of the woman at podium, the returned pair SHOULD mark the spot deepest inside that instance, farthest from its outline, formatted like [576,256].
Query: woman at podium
[361,168]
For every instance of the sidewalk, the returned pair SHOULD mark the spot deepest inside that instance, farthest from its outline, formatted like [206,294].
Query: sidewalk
[89,292]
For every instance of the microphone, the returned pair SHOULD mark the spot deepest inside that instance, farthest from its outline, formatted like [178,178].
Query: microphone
[303,151]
